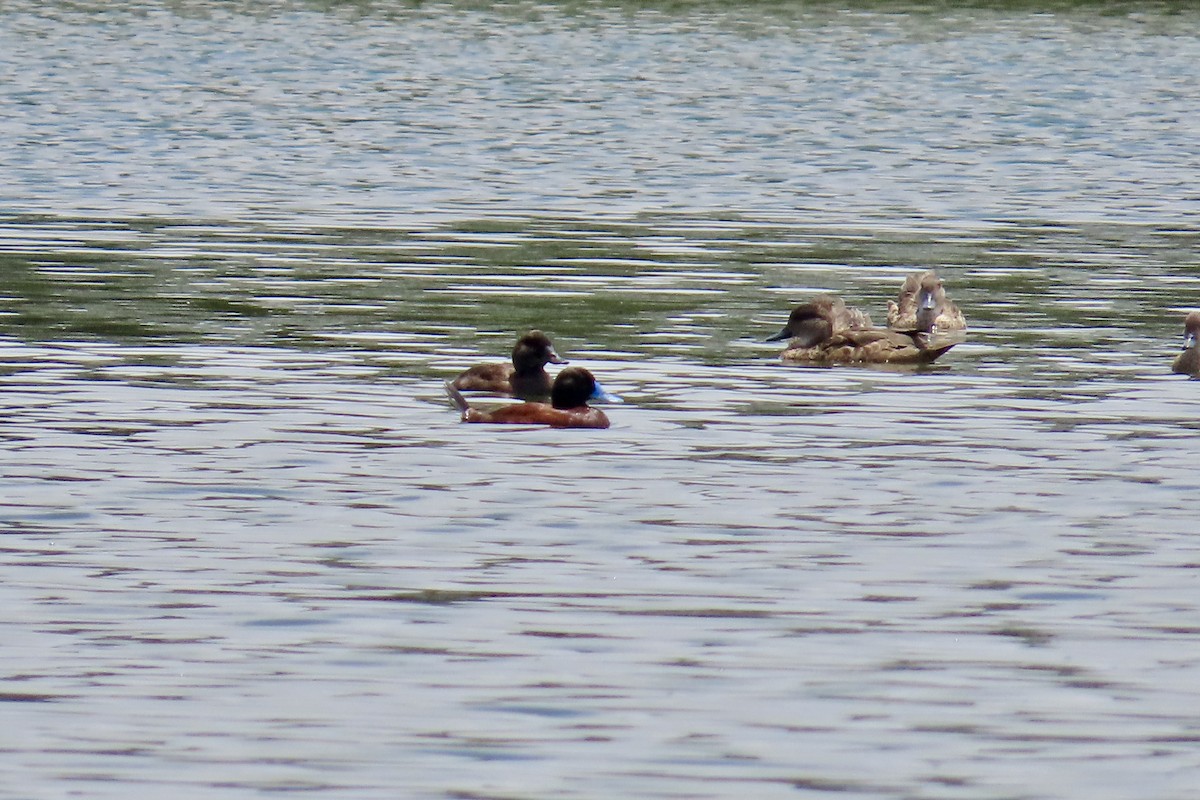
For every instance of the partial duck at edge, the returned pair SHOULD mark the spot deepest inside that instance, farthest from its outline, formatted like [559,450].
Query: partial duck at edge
[1188,362]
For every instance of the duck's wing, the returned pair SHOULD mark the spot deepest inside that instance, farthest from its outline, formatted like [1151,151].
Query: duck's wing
[951,318]
[874,346]
[845,347]
[854,319]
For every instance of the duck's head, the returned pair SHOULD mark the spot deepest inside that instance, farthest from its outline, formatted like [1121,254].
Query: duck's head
[575,386]
[929,305]
[534,350]
[810,323]
[1191,330]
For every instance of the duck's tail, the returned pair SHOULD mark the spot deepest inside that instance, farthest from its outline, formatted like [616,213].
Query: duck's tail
[459,401]
[931,354]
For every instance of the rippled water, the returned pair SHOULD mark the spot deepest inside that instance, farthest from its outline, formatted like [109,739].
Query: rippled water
[248,549]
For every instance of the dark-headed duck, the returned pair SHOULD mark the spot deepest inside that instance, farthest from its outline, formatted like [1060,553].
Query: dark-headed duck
[1188,362]
[525,377]
[920,295]
[816,339]
[568,406]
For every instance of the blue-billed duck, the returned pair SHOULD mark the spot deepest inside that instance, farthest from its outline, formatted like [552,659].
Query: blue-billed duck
[568,406]
[525,377]
[1188,362]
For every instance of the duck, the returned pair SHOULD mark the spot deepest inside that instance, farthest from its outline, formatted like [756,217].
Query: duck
[819,336]
[1188,362]
[573,388]
[524,378]
[820,318]
[920,293]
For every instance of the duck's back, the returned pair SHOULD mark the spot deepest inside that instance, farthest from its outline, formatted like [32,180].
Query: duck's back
[486,378]
[543,414]
[874,346]
[852,318]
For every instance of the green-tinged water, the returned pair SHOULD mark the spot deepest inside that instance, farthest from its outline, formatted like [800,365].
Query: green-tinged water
[248,549]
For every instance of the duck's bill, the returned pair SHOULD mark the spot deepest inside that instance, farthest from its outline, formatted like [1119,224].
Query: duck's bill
[555,358]
[605,396]
[779,337]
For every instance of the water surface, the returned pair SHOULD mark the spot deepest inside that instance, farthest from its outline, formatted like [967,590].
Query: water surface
[248,548]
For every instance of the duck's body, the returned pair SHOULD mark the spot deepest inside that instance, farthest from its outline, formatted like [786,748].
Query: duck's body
[568,406]
[1188,362]
[506,380]
[875,346]
[819,335]
[525,377]
[540,414]
[904,313]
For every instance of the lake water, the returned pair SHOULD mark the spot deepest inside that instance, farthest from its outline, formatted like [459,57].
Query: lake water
[249,550]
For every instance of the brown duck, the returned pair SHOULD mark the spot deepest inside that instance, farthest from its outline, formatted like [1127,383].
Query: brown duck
[819,336]
[822,316]
[924,290]
[1188,362]
[525,377]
